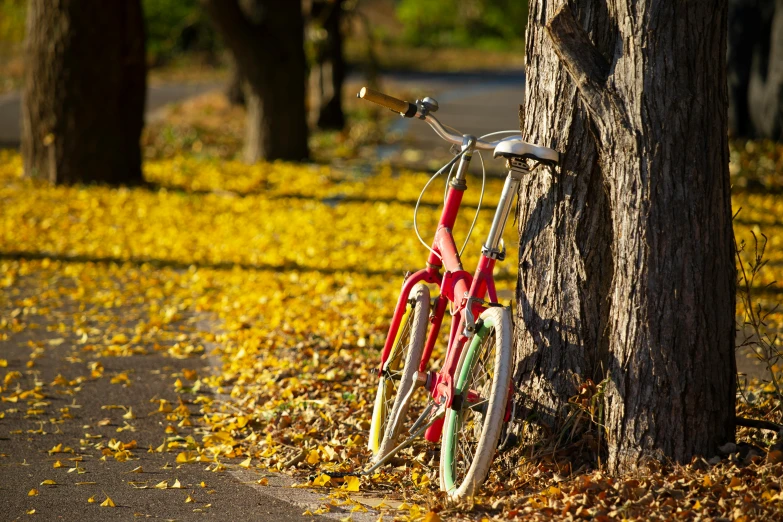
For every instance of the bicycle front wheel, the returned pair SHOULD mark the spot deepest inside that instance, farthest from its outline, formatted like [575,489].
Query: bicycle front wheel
[398,381]
[472,426]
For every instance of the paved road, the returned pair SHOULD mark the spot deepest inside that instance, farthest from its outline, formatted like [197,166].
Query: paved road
[471,102]
[157,97]
[84,418]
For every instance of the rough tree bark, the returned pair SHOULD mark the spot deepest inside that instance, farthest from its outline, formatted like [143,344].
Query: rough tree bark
[84,91]
[626,255]
[329,72]
[565,258]
[267,42]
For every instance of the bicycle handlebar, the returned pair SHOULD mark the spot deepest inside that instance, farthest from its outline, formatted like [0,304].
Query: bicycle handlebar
[424,110]
[407,109]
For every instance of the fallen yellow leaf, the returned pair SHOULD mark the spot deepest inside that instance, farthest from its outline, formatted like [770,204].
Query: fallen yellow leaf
[322,480]
[351,483]
[313,458]
[186,457]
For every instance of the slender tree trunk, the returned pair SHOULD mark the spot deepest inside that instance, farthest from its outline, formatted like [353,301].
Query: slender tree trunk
[266,39]
[765,88]
[652,76]
[235,89]
[84,91]
[755,68]
[330,67]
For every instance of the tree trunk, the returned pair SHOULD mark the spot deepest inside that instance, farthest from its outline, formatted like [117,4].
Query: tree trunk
[330,67]
[755,75]
[84,92]
[654,86]
[565,264]
[266,39]
[235,89]
[765,89]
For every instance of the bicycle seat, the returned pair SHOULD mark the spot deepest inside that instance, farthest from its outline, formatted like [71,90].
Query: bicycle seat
[516,148]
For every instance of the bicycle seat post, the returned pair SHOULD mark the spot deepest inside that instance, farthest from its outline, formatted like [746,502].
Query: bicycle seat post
[517,169]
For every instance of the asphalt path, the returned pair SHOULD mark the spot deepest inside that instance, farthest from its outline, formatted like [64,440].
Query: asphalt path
[158,96]
[473,102]
[79,417]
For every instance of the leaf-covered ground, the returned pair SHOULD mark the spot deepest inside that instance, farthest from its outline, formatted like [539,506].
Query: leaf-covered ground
[284,276]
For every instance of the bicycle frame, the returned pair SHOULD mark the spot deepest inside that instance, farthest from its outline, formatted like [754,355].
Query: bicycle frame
[465,292]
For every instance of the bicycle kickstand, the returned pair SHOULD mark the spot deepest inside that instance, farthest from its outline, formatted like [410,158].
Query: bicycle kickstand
[416,431]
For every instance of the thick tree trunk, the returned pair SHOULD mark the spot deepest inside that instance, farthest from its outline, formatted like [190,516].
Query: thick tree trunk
[565,264]
[266,39]
[329,71]
[84,91]
[658,107]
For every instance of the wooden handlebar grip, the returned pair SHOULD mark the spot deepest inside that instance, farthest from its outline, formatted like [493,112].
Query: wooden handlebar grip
[384,100]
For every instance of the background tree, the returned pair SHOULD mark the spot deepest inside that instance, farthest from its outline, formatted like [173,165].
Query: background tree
[266,40]
[626,252]
[329,69]
[84,91]
[756,68]
[235,88]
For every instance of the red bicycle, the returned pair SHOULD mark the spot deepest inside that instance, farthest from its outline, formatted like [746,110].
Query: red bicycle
[470,396]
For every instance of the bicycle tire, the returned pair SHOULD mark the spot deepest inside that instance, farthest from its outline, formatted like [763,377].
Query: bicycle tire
[392,402]
[471,432]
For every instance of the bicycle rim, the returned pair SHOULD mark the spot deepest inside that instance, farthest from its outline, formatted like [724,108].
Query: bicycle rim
[398,379]
[471,432]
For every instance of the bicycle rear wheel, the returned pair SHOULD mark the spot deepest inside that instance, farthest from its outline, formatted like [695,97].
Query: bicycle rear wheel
[472,426]
[398,381]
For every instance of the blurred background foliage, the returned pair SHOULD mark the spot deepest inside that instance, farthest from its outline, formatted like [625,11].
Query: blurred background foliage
[12,21]
[178,26]
[181,28]
[482,24]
